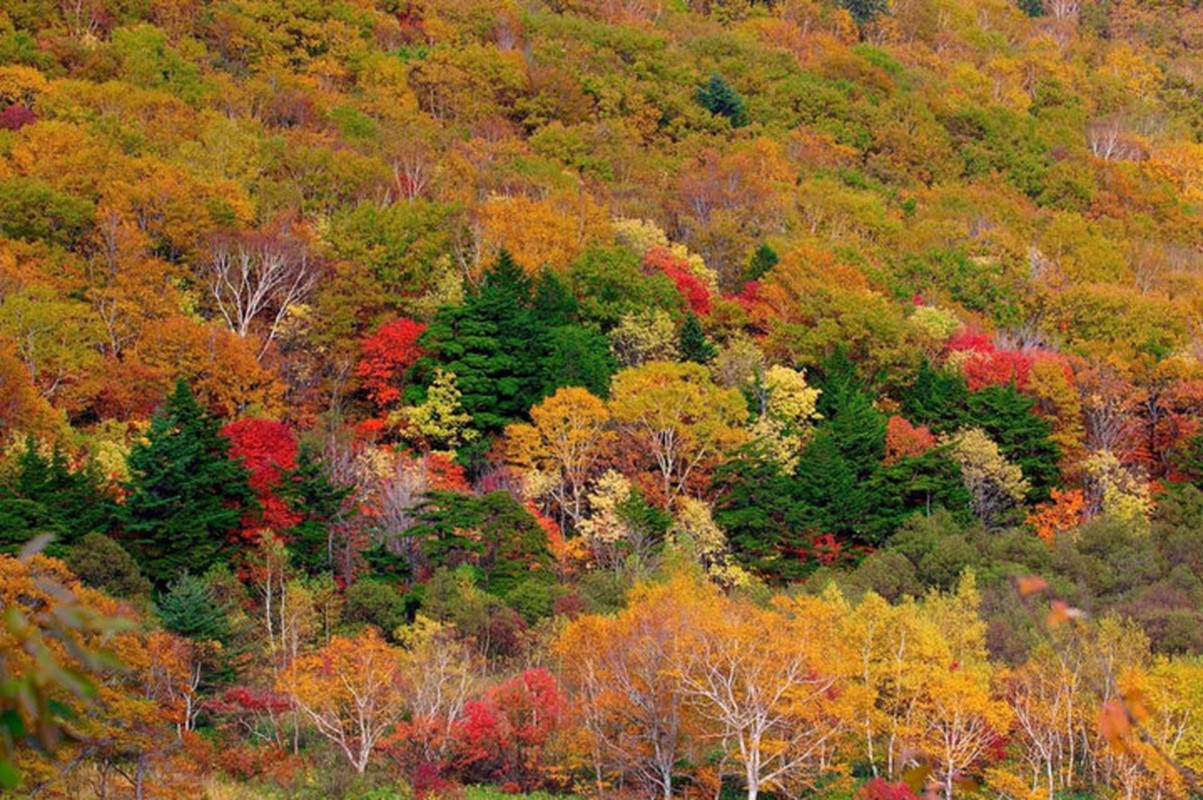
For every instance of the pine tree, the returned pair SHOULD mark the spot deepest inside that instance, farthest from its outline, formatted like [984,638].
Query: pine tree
[1008,417]
[554,305]
[719,98]
[937,398]
[579,356]
[763,260]
[693,344]
[838,478]
[865,11]
[1033,8]
[189,608]
[185,497]
[74,500]
[308,490]
[495,345]
[758,511]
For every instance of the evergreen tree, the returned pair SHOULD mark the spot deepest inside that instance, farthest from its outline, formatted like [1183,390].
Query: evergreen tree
[185,497]
[580,356]
[22,520]
[554,304]
[719,98]
[308,490]
[190,608]
[757,509]
[837,478]
[865,11]
[693,344]
[493,532]
[1009,418]
[937,398]
[73,501]
[1033,8]
[763,260]
[497,347]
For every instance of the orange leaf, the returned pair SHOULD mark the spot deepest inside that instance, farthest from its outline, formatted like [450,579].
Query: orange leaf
[1063,612]
[1115,724]
[1030,584]
[1136,705]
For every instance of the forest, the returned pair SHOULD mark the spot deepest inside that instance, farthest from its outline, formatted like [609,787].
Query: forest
[601,399]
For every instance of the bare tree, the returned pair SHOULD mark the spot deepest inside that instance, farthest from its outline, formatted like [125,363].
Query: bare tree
[260,275]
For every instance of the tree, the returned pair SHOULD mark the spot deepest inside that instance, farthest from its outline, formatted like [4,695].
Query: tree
[321,505]
[788,412]
[102,563]
[260,274]
[719,98]
[995,485]
[780,702]
[643,336]
[493,533]
[385,358]
[758,508]
[677,416]
[506,734]
[839,473]
[562,447]
[440,420]
[268,450]
[496,347]
[73,499]
[624,672]
[185,496]
[865,11]
[189,608]
[693,344]
[352,690]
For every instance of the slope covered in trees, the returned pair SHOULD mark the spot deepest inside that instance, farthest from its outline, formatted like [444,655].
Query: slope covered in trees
[614,398]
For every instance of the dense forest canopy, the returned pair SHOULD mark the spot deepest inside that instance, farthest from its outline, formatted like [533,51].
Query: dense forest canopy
[601,398]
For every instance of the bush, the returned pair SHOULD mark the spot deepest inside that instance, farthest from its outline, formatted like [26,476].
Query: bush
[104,564]
[376,603]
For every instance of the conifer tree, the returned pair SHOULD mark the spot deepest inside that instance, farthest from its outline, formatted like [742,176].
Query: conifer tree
[763,260]
[189,608]
[308,490]
[717,97]
[73,499]
[693,344]
[495,345]
[185,497]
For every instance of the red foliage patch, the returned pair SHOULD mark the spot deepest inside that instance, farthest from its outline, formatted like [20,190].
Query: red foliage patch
[879,789]
[904,439]
[692,290]
[16,116]
[385,357]
[267,449]
[998,369]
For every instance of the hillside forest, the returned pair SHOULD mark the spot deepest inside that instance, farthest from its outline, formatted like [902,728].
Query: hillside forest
[616,399]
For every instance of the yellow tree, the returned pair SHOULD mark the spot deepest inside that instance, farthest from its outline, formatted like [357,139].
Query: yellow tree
[561,447]
[773,685]
[675,415]
[1052,706]
[352,690]
[624,672]
[895,651]
[960,716]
